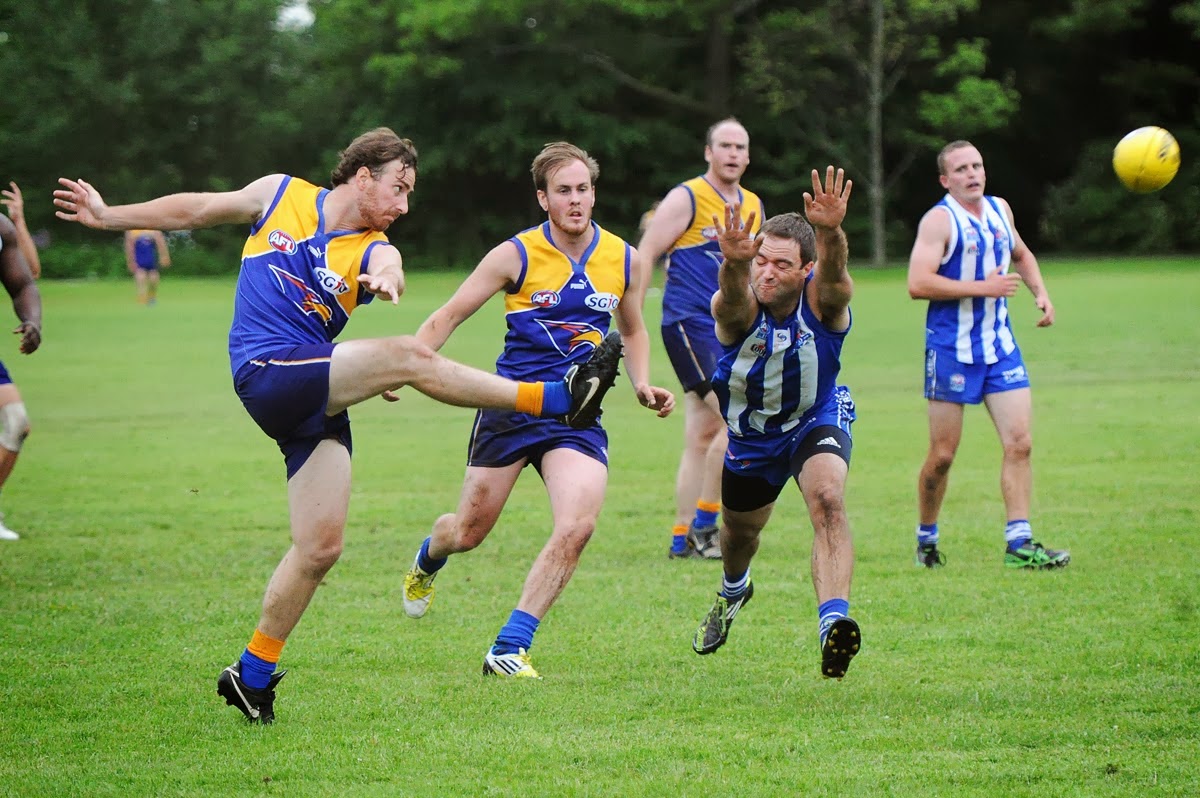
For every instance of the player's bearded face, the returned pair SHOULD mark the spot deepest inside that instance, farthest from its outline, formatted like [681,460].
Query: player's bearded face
[777,273]
[569,198]
[384,199]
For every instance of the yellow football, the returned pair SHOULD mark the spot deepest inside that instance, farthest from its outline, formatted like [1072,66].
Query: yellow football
[1146,159]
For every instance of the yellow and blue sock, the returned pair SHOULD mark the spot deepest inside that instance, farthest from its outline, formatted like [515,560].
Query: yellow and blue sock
[830,611]
[259,660]
[1017,533]
[517,633]
[545,399]
[679,539]
[706,514]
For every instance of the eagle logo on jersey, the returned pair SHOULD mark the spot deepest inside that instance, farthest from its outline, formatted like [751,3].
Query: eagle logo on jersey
[568,336]
[282,242]
[303,297]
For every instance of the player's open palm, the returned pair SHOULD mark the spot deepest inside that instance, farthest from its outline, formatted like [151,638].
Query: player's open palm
[79,202]
[737,244]
[826,205]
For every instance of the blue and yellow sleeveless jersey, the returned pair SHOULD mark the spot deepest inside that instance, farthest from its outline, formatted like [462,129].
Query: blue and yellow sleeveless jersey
[145,251]
[298,283]
[696,256]
[558,311]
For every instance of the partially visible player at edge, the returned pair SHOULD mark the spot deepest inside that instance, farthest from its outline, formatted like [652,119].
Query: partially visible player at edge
[19,282]
[782,314]
[681,230]
[565,281]
[960,263]
[312,257]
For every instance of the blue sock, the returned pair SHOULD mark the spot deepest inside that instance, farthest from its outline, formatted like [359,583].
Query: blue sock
[829,612]
[256,672]
[705,519]
[556,399]
[927,533]
[427,563]
[734,587]
[1017,533]
[517,633]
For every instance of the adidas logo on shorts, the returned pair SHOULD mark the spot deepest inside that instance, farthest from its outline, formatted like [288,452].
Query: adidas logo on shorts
[830,441]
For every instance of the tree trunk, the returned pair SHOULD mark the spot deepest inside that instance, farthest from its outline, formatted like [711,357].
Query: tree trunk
[876,194]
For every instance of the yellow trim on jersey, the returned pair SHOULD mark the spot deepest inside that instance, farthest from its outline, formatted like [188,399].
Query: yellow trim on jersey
[709,203]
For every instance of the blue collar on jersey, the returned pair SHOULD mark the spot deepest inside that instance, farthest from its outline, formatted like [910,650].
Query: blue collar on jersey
[581,264]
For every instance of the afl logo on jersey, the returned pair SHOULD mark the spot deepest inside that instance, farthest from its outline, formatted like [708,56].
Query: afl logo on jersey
[710,233]
[602,301]
[544,299]
[282,242]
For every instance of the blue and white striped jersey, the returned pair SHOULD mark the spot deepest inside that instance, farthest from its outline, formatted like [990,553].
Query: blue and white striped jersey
[769,380]
[975,329]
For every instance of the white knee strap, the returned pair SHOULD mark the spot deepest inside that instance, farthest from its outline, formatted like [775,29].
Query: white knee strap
[14,426]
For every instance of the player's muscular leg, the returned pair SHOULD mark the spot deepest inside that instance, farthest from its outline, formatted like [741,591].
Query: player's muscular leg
[739,536]
[485,490]
[362,369]
[704,445]
[576,485]
[823,483]
[318,498]
[1012,413]
[945,432]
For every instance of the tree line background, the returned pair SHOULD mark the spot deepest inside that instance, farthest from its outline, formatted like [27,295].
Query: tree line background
[147,97]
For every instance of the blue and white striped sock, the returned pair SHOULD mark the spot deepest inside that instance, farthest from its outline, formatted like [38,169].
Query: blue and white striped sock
[1017,533]
[927,533]
[735,587]
[830,611]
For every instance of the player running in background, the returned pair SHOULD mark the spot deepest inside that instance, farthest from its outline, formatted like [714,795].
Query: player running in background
[960,263]
[681,229]
[782,314]
[145,254]
[313,256]
[564,281]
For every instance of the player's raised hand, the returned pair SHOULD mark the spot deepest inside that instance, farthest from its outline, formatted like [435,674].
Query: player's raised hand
[13,201]
[733,235]
[79,202]
[826,205]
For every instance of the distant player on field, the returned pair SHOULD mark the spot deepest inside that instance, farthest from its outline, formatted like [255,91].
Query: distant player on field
[960,263]
[564,282]
[782,314]
[681,231]
[145,254]
[313,256]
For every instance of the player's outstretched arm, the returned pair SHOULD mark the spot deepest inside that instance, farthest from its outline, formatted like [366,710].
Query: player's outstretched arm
[734,306]
[15,203]
[78,201]
[636,342]
[832,287]
[18,282]
[1026,264]
[499,269]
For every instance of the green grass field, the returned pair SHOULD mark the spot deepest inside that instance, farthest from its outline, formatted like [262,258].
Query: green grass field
[153,512]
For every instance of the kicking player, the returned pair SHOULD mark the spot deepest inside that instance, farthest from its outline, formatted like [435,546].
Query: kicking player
[564,280]
[313,256]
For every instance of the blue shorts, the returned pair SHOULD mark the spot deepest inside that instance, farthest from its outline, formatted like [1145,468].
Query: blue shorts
[147,267]
[772,457]
[5,379]
[694,351]
[947,380]
[286,392]
[502,437]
